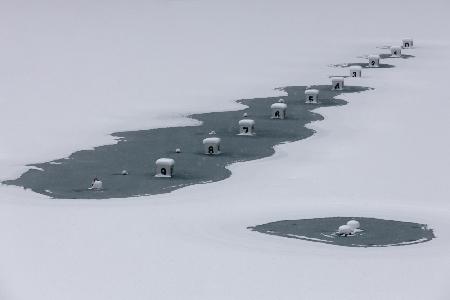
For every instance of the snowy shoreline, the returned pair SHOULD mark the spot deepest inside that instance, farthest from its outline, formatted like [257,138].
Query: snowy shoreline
[68,177]
[136,151]
[375,233]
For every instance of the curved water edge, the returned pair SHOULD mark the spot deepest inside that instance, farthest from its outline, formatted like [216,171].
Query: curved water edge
[365,65]
[373,232]
[137,151]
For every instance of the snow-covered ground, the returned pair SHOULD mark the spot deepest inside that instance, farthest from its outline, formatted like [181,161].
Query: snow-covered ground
[70,73]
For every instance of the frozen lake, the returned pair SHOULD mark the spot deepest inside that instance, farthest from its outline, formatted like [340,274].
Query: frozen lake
[374,232]
[137,151]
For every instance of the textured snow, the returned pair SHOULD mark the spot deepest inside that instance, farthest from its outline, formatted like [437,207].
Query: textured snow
[278,106]
[311,92]
[335,80]
[165,162]
[246,122]
[355,68]
[353,224]
[345,229]
[212,140]
[73,72]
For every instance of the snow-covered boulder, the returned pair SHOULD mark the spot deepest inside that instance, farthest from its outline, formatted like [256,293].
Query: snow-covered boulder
[353,224]
[345,230]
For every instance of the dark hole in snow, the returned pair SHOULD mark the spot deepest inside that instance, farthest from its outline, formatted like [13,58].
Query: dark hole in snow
[136,151]
[374,232]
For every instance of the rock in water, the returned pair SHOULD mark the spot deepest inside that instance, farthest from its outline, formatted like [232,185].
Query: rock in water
[353,224]
[345,230]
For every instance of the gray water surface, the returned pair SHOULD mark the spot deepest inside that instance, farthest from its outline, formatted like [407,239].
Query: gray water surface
[374,232]
[136,151]
[382,65]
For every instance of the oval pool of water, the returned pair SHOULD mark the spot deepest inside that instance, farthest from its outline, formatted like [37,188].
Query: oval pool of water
[373,232]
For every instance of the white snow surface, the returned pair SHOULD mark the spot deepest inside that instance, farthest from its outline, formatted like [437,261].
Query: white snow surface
[345,229]
[73,72]
[279,106]
[246,122]
[353,224]
[165,161]
[311,92]
[212,140]
[355,68]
